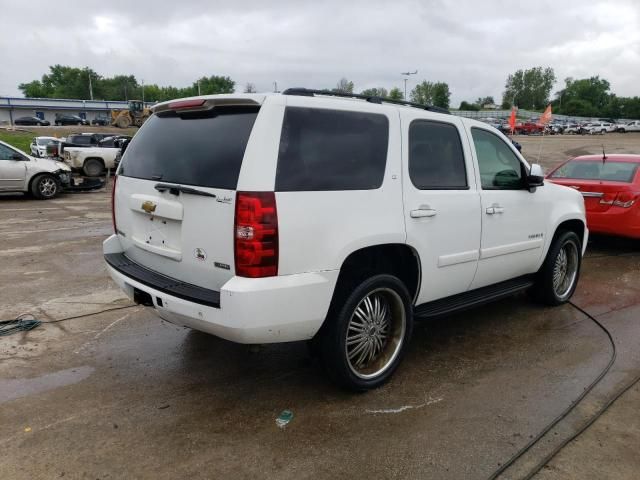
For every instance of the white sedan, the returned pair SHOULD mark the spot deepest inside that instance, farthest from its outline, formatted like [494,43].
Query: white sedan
[41,177]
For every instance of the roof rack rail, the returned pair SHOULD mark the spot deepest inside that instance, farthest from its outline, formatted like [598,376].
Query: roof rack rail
[308,92]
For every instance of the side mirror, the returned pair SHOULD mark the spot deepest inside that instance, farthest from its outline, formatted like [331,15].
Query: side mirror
[17,156]
[535,177]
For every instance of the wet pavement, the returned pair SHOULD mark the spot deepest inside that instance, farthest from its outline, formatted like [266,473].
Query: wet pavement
[122,394]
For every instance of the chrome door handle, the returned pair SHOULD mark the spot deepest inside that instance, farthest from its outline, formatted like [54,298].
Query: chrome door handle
[494,209]
[423,212]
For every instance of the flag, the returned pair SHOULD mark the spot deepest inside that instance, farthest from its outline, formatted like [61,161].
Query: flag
[512,120]
[546,116]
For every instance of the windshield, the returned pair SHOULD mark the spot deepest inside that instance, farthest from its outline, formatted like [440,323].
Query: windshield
[45,141]
[597,170]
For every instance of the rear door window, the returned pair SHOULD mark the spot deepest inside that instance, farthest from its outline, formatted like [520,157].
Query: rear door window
[325,150]
[198,148]
[597,170]
[436,159]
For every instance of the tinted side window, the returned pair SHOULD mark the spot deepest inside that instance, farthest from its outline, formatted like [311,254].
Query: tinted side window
[331,150]
[500,168]
[436,160]
[6,153]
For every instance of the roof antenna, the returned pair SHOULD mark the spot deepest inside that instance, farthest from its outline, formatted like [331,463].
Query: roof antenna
[604,155]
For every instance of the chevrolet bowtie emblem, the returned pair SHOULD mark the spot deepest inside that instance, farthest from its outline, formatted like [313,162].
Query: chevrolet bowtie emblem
[148,206]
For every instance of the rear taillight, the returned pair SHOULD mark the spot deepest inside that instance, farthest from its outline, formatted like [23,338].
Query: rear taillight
[256,234]
[622,199]
[625,199]
[113,199]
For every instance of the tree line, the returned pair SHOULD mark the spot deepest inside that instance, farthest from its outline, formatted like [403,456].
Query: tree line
[83,83]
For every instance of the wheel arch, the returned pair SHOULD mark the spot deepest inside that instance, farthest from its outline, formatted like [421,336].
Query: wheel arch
[398,259]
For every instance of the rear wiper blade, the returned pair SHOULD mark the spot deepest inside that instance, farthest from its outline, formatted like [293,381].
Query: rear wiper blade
[176,189]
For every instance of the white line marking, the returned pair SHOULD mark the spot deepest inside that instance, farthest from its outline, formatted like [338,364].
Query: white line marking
[431,401]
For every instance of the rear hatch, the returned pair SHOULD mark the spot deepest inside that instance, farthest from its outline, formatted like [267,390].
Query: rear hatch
[601,183]
[175,195]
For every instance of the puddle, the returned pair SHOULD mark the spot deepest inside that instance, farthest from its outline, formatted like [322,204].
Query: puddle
[24,387]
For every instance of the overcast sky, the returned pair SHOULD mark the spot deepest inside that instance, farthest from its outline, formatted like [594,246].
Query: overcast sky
[471,45]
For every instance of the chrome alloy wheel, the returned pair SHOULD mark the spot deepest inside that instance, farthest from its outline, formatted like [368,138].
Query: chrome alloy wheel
[375,333]
[47,187]
[565,269]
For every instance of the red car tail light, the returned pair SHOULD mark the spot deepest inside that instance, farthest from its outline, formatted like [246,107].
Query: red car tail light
[113,201]
[625,199]
[256,235]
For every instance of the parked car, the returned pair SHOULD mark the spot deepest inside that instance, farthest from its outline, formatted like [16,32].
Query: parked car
[304,216]
[64,119]
[629,127]
[91,161]
[41,177]
[611,190]
[102,120]
[599,128]
[39,145]
[572,128]
[529,128]
[34,121]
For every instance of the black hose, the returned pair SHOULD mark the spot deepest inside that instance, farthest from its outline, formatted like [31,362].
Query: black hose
[565,412]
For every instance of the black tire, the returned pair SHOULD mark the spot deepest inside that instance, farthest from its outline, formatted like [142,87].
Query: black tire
[93,167]
[57,124]
[545,290]
[622,130]
[388,332]
[45,186]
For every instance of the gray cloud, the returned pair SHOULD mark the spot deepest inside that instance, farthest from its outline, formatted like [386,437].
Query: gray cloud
[471,45]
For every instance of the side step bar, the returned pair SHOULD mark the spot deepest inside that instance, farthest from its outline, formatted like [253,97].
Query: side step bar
[474,298]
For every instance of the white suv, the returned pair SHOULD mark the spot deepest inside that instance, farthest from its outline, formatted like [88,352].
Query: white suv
[305,216]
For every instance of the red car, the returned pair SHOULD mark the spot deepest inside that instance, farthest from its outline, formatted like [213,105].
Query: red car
[529,128]
[611,190]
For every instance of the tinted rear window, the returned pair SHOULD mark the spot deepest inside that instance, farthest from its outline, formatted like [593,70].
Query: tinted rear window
[331,150]
[80,139]
[597,170]
[204,149]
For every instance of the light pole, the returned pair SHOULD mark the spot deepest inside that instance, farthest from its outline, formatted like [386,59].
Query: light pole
[143,93]
[406,77]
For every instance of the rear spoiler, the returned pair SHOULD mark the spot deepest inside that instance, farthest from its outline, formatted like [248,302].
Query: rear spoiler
[207,103]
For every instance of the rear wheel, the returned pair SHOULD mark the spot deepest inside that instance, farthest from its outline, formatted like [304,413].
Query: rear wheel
[558,277]
[45,187]
[92,167]
[367,333]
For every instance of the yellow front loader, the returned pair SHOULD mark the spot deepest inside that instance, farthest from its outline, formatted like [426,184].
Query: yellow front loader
[135,115]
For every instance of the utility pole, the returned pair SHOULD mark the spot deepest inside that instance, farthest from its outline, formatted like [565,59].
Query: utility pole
[90,87]
[198,87]
[142,93]
[275,87]
[406,77]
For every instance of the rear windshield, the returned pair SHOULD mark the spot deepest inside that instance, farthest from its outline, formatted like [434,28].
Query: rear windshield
[204,149]
[324,150]
[597,170]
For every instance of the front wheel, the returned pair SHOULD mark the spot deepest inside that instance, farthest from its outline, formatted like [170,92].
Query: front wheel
[558,276]
[45,187]
[367,333]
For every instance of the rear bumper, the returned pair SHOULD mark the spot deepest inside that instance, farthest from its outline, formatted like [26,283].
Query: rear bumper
[261,310]
[623,222]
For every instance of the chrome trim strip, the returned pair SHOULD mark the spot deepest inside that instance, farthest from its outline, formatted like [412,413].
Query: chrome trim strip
[592,194]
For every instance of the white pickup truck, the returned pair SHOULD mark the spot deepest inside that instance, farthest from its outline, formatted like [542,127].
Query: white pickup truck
[629,127]
[92,161]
